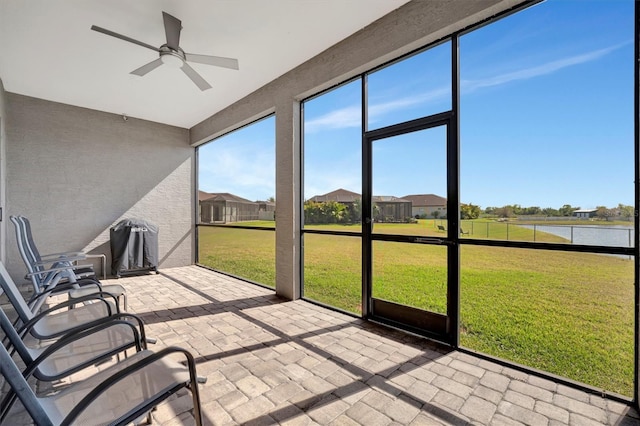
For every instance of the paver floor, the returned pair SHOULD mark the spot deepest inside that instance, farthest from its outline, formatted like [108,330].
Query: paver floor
[272,361]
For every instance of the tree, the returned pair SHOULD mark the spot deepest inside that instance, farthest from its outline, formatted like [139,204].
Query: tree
[603,213]
[506,211]
[567,210]
[626,211]
[531,211]
[354,211]
[326,212]
[490,210]
[469,211]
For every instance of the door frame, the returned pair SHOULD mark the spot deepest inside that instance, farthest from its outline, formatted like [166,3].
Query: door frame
[439,327]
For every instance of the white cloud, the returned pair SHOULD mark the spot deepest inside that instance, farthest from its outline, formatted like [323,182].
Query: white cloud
[531,72]
[240,170]
[337,119]
[350,117]
[378,110]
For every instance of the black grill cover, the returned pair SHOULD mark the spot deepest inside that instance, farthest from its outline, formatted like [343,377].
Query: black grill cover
[134,246]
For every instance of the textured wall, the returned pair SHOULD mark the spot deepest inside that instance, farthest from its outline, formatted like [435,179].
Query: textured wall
[3,170]
[75,172]
[412,26]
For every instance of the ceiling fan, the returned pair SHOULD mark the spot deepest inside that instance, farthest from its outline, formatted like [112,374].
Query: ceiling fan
[172,54]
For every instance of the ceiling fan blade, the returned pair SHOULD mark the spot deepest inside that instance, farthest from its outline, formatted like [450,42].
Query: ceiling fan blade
[147,68]
[217,61]
[172,27]
[123,37]
[195,77]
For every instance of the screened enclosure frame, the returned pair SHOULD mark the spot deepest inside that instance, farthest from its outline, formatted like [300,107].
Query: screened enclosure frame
[631,252]
[197,212]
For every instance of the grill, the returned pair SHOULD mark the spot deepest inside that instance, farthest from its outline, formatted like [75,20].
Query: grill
[134,247]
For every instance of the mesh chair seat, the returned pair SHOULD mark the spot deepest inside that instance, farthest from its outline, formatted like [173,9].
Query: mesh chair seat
[119,394]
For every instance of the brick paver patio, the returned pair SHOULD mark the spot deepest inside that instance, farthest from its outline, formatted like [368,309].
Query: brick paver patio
[271,361]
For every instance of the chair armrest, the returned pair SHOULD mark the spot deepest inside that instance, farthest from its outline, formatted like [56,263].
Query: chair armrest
[63,254]
[80,334]
[57,269]
[98,296]
[60,288]
[45,262]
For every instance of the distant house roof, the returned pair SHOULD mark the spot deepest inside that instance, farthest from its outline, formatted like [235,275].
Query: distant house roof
[388,199]
[203,195]
[339,195]
[223,196]
[585,211]
[426,200]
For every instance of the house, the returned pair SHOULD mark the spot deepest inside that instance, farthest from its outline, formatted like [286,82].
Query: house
[585,213]
[386,208]
[427,205]
[266,210]
[342,196]
[224,208]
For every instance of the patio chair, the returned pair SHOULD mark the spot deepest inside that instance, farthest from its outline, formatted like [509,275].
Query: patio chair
[25,236]
[71,353]
[118,395]
[62,276]
[442,228]
[54,360]
[50,324]
[462,232]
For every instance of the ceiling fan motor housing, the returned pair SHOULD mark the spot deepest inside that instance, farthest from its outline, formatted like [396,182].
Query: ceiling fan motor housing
[172,57]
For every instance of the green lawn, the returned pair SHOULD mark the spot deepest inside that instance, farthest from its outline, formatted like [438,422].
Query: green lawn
[570,314]
[246,253]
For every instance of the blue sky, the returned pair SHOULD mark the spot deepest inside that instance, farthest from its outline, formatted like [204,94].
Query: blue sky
[241,162]
[546,118]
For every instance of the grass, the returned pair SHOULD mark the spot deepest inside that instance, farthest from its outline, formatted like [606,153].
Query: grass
[567,313]
[243,252]
[570,314]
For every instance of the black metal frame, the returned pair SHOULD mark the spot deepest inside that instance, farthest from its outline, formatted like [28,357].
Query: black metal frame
[453,192]
[636,105]
[434,325]
[453,202]
[196,203]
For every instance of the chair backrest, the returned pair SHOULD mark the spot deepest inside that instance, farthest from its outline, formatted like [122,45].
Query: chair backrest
[26,254]
[19,385]
[31,247]
[8,287]
[15,341]
[40,279]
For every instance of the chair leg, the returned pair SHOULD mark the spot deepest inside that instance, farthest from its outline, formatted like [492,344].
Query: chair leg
[195,395]
[124,301]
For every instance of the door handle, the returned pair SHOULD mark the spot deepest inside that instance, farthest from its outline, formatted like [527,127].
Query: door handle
[431,240]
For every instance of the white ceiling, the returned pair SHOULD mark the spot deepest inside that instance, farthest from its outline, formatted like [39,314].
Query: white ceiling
[48,51]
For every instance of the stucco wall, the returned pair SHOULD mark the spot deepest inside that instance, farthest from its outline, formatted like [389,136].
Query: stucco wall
[410,27]
[75,172]
[3,170]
